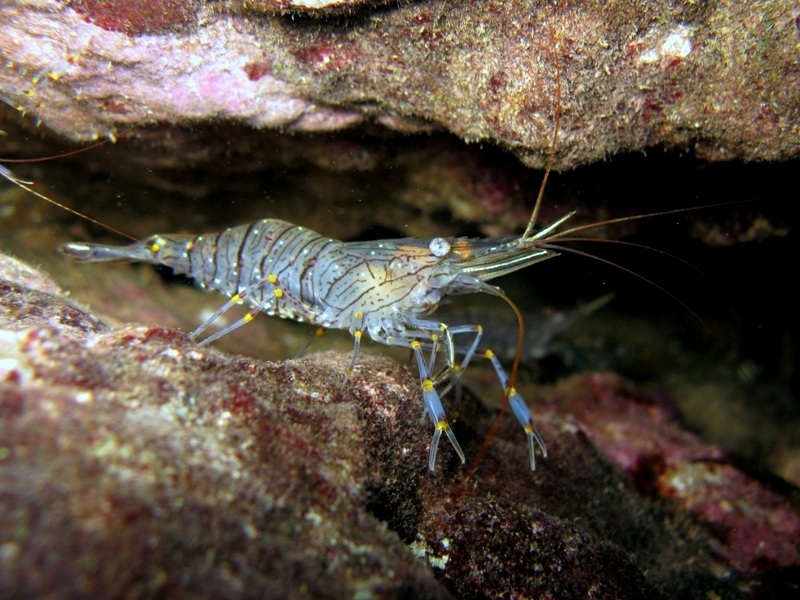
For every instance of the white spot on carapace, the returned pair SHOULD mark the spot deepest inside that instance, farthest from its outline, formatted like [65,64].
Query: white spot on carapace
[439,247]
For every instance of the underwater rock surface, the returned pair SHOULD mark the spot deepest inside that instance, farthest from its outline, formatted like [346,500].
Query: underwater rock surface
[721,78]
[134,462]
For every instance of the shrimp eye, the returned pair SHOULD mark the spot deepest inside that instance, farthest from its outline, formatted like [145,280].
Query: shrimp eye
[439,246]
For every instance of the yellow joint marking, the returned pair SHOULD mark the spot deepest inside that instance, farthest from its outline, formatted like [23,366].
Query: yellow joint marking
[442,426]
[434,337]
[528,428]
[349,372]
[248,317]
[189,245]
[356,334]
[359,314]
[320,331]
[456,368]
[488,353]
[236,298]
[278,293]
[511,391]
[480,328]
[272,278]
[427,385]
[154,247]
[415,345]
[442,327]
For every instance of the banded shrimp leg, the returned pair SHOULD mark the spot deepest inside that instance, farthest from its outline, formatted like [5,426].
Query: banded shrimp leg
[430,336]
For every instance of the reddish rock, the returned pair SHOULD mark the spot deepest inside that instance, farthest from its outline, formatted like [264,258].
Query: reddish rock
[719,78]
[134,462]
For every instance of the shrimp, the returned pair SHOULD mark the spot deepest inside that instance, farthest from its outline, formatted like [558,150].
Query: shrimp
[385,289]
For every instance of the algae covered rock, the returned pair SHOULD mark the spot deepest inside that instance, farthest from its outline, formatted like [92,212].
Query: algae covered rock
[721,78]
[134,462]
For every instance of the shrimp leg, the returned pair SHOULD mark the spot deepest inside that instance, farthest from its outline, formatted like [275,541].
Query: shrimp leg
[518,405]
[433,404]
[269,301]
[520,410]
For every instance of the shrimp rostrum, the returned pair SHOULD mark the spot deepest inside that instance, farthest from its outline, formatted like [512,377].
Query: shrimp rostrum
[386,289]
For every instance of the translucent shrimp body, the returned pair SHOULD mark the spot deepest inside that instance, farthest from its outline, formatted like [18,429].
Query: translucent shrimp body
[386,289]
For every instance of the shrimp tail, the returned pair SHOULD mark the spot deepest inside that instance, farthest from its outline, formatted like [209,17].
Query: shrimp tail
[83,252]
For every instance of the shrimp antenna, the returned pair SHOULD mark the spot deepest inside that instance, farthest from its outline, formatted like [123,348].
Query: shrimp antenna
[552,154]
[561,235]
[25,185]
[60,155]
[112,138]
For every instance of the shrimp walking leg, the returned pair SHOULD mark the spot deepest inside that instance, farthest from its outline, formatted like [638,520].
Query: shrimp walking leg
[520,410]
[518,405]
[358,323]
[234,300]
[271,300]
[454,371]
[433,404]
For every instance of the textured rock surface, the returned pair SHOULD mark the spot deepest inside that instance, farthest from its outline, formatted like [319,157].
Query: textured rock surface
[719,77]
[135,463]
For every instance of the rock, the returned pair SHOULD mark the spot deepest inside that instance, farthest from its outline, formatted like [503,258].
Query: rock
[719,78]
[134,462]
